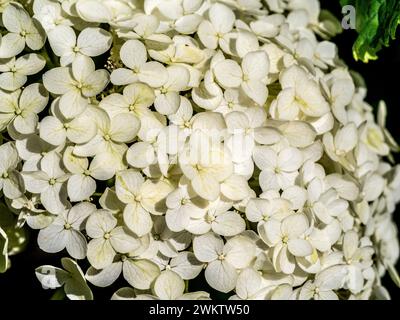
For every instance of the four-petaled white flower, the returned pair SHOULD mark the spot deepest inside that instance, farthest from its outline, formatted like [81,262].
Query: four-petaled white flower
[65,231]
[107,239]
[134,55]
[286,237]
[91,42]
[76,84]
[15,71]
[49,182]
[19,109]
[250,76]
[223,259]
[22,30]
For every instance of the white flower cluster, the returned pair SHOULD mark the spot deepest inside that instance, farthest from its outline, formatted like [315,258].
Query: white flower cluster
[161,138]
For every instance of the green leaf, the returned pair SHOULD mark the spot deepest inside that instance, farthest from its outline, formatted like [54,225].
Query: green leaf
[376,23]
[59,294]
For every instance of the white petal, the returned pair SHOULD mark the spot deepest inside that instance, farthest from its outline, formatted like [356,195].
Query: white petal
[80,187]
[105,277]
[350,244]
[228,224]
[186,265]
[53,238]
[76,244]
[290,159]
[255,65]
[124,127]
[94,11]
[137,219]
[256,90]
[30,64]
[207,35]
[26,124]
[300,247]
[123,242]
[154,74]
[62,40]
[140,274]
[169,285]
[221,276]
[127,185]
[140,155]
[100,253]
[12,81]
[95,82]
[228,73]
[222,18]
[52,131]
[167,103]
[82,129]
[206,186]
[207,247]
[58,80]
[123,76]
[133,54]
[239,251]
[11,45]
[73,104]
[54,199]
[99,223]
[295,225]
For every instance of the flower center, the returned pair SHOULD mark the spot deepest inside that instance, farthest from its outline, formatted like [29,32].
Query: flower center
[210,218]
[107,137]
[4,175]
[52,181]
[285,239]
[221,257]
[199,167]
[107,236]
[67,226]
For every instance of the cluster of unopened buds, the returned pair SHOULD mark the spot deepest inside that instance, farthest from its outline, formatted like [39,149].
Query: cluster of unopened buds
[163,139]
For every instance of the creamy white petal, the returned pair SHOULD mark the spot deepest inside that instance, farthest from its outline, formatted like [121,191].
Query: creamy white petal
[94,41]
[140,273]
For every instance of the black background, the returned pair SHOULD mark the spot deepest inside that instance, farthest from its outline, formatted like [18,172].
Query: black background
[381,77]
